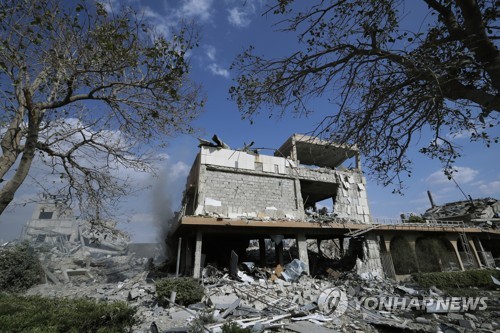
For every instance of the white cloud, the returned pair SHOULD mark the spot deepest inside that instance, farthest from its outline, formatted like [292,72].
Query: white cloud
[210,52]
[238,17]
[217,70]
[462,175]
[491,188]
[195,9]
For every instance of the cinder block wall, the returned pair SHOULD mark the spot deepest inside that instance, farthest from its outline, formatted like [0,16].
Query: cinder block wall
[235,194]
[351,200]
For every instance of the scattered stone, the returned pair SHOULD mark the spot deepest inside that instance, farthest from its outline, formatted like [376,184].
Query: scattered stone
[469,324]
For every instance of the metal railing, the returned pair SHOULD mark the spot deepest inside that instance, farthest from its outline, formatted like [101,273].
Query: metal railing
[425,223]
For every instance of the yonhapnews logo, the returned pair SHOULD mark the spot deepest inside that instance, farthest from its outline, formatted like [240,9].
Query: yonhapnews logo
[334,302]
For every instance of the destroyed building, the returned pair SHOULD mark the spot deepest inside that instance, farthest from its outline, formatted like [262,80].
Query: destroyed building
[472,210]
[304,171]
[70,248]
[227,189]
[235,196]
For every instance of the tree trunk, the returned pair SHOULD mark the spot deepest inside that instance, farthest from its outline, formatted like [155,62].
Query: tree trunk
[9,189]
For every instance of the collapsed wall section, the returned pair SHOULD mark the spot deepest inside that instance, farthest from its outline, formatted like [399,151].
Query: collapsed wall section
[347,190]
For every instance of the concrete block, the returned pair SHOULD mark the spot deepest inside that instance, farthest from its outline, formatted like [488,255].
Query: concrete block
[468,324]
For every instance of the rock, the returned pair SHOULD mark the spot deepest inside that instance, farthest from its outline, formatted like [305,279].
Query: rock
[470,316]
[469,324]
[487,326]
[422,320]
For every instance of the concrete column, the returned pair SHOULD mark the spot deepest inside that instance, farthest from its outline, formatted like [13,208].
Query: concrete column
[299,201]
[294,151]
[278,252]
[318,244]
[302,246]
[197,255]
[455,247]
[262,252]
[472,246]
[188,257]
[479,246]
[200,194]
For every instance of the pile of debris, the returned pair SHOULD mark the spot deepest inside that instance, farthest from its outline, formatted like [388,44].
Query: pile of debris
[473,210]
[285,299]
[288,301]
[71,249]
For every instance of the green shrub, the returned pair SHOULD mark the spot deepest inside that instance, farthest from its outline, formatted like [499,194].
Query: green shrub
[37,314]
[415,219]
[19,268]
[464,279]
[188,290]
[232,327]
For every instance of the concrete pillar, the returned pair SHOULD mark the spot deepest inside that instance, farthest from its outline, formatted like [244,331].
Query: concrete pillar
[278,253]
[455,247]
[200,193]
[188,256]
[299,201]
[472,246]
[479,246]
[318,244]
[302,246]
[294,151]
[197,255]
[262,252]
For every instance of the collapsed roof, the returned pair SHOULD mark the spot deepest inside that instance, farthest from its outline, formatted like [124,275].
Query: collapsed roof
[469,210]
[313,151]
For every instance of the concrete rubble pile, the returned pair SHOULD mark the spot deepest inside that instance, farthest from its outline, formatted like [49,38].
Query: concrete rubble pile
[73,250]
[262,301]
[279,299]
[485,210]
[103,256]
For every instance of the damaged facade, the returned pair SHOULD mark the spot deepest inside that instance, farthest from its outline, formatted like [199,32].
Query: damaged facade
[235,196]
[279,194]
[304,171]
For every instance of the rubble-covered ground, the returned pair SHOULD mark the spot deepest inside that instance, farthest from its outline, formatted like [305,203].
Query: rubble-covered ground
[278,299]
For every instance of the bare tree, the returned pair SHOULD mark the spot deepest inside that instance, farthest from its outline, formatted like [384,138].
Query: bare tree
[390,85]
[89,94]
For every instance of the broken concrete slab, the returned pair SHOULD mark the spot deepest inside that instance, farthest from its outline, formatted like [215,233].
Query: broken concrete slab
[231,308]
[307,327]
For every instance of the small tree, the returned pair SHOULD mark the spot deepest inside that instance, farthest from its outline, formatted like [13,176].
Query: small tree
[19,268]
[83,91]
[389,84]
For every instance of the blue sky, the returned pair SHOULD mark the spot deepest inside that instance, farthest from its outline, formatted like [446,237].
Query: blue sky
[227,27]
